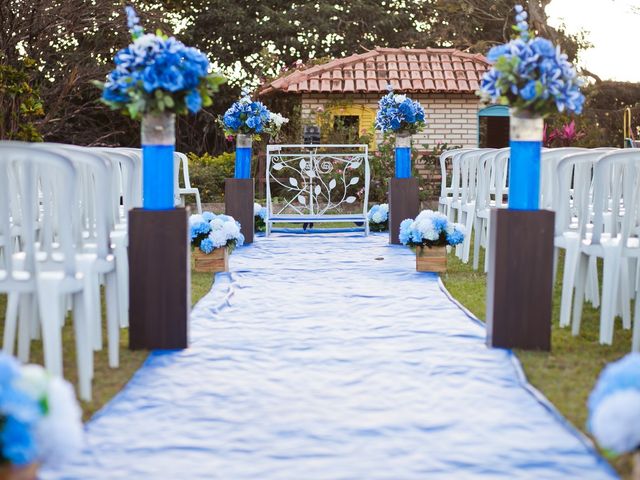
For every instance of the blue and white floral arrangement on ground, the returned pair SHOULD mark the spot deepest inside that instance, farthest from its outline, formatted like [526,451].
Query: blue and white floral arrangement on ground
[534,78]
[614,408]
[259,214]
[378,216]
[40,419]
[431,229]
[157,73]
[210,231]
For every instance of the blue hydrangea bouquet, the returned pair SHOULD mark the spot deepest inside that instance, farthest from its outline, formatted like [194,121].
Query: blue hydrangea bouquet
[251,117]
[378,216]
[399,114]
[213,237]
[531,75]
[534,78]
[614,408]
[156,73]
[40,419]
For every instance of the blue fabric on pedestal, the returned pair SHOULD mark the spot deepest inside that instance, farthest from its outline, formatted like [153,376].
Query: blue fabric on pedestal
[157,177]
[524,175]
[403,162]
[243,162]
[330,357]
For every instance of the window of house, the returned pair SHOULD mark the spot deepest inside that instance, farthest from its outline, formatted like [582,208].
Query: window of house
[347,127]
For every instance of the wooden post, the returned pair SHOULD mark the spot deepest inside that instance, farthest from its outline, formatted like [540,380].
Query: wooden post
[238,203]
[519,284]
[159,279]
[403,203]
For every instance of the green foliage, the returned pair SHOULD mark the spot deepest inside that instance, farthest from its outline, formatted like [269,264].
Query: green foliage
[20,102]
[207,173]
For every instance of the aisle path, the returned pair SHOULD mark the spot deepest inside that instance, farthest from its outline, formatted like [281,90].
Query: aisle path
[317,359]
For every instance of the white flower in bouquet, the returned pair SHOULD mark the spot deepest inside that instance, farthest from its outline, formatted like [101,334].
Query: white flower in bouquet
[277,119]
[217,223]
[195,219]
[219,238]
[60,432]
[231,230]
[256,209]
[399,98]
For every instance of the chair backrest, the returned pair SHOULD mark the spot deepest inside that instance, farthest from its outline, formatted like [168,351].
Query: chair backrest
[37,177]
[123,181]
[182,161]
[469,162]
[492,166]
[92,215]
[549,160]
[573,190]
[136,156]
[446,182]
[623,168]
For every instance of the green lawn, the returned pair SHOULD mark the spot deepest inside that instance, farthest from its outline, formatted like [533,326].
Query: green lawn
[567,374]
[107,381]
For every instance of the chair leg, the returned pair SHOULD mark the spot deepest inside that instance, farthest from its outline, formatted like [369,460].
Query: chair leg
[635,342]
[26,318]
[578,302]
[571,258]
[122,272]
[477,239]
[467,239]
[84,350]
[486,251]
[610,276]
[198,202]
[50,300]
[113,327]
[624,293]
[10,323]
[593,287]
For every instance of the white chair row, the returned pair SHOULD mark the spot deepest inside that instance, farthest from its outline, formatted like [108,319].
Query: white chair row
[586,200]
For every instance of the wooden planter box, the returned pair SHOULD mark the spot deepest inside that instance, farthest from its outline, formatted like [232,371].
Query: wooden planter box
[216,261]
[10,472]
[432,259]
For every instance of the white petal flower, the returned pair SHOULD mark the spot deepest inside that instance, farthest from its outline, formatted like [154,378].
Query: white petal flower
[34,381]
[219,238]
[616,422]
[399,98]
[60,432]
[193,219]
[256,209]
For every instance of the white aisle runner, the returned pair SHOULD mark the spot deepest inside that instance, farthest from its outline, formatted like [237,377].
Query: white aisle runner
[316,359]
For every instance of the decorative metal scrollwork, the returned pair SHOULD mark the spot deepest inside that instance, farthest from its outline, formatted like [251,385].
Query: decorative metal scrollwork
[317,180]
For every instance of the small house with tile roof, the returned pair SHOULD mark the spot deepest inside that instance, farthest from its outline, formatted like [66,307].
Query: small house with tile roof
[443,80]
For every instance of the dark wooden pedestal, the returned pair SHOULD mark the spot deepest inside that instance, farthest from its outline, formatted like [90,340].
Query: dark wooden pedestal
[403,203]
[238,203]
[159,279]
[519,284]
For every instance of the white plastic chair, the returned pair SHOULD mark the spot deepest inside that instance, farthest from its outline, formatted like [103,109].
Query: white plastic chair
[181,160]
[54,176]
[447,181]
[621,171]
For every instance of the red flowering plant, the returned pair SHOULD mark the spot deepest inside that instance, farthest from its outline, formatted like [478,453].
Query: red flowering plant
[565,136]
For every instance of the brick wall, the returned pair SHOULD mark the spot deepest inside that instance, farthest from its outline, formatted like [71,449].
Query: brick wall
[451,119]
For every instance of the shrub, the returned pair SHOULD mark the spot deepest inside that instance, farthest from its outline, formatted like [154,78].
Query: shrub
[207,173]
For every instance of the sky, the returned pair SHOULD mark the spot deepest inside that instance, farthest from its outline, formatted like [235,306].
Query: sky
[612,27]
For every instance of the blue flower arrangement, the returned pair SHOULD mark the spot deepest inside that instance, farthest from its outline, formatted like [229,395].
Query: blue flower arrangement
[398,113]
[378,216]
[259,214]
[40,419]
[431,229]
[531,75]
[251,117]
[614,406]
[157,73]
[210,231]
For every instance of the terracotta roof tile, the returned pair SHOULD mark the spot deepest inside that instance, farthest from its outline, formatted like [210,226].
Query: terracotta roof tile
[412,70]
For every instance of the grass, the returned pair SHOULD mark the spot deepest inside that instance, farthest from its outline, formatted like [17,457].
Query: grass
[567,374]
[107,381]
